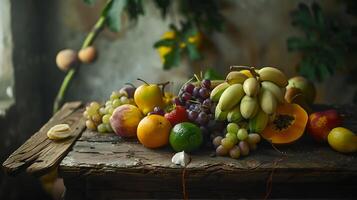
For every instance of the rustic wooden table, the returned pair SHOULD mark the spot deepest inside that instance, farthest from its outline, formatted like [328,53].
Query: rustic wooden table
[104,166]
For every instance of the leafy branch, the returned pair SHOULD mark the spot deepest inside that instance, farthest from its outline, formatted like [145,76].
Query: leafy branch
[325,43]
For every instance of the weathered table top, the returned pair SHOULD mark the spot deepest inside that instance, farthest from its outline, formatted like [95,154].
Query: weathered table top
[96,155]
[105,166]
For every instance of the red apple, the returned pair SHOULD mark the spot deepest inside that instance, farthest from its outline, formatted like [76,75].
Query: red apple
[321,123]
[177,115]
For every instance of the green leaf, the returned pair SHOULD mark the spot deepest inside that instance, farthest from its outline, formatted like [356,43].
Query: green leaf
[212,74]
[165,42]
[89,2]
[135,8]
[296,44]
[114,14]
[163,5]
[172,59]
[193,53]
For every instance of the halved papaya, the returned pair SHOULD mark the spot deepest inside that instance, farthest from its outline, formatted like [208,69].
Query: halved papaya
[288,125]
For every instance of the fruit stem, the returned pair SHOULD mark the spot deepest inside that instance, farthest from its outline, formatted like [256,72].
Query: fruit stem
[163,87]
[236,68]
[92,35]
[139,79]
[197,78]
[255,74]
[130,84]
[191,79]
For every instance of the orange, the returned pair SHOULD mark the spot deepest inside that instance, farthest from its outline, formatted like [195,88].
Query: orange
[153,131]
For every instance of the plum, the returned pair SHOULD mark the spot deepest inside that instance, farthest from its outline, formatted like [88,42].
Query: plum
[125,120]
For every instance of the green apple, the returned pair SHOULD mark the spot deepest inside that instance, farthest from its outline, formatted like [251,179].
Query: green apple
[307,87]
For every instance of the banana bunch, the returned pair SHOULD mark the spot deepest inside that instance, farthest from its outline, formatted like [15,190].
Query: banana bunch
[251,95]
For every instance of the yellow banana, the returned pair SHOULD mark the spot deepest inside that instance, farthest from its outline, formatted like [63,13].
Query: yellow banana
[218,90]
[230,97]
[236,77]
[248,106]
[251,87]
[267,101]
[274,75]
[274,89]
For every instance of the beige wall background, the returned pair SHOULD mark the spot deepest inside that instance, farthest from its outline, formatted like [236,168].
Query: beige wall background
[256,33]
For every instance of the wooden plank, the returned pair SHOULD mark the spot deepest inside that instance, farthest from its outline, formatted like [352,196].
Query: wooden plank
[38,154]
[105,166]
[101,153]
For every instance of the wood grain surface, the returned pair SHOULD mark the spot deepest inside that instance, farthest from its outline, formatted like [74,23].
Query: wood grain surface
[108,167]
[39,154]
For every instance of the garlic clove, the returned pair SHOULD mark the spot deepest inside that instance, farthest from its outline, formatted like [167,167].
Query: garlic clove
[181,158]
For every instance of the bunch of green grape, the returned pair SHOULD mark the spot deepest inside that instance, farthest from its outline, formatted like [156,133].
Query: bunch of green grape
[98,116]
[237,142]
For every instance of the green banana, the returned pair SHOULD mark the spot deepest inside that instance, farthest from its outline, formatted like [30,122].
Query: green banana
[219,115]
[231,97]
[234,115]
[267,101]
[274,89]
[258,123]
[218,90]
[248,106]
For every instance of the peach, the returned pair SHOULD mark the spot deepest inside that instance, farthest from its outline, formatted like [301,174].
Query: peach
[321,123]
[125,120]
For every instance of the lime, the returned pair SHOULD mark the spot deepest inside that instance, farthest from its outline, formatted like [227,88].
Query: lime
[185,137]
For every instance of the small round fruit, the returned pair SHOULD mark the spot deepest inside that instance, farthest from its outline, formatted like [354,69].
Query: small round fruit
[90,125]
[217,141]
[97,118]
[244,148]
[87,55]
[242,134]
[227,143]
[95,105]
[186,137]
[221,151]
[253,138]
[232,128]
[234,152]
[65,59]
[116,103]
[85,114]
[232,137]
[114,95]
[342,140]
[102,128]
[106,119]
[153,131]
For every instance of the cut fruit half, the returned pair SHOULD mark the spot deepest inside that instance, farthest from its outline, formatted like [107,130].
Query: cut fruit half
[288,125]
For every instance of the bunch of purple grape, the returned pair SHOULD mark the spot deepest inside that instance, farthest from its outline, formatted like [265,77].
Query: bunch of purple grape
[198,104]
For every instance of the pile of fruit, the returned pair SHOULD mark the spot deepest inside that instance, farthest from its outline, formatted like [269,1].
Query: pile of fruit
[231,116]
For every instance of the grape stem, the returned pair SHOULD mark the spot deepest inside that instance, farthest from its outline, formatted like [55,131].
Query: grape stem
[130,84]
[92,35]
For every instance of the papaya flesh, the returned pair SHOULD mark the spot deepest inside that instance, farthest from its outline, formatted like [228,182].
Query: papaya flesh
[288,125]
